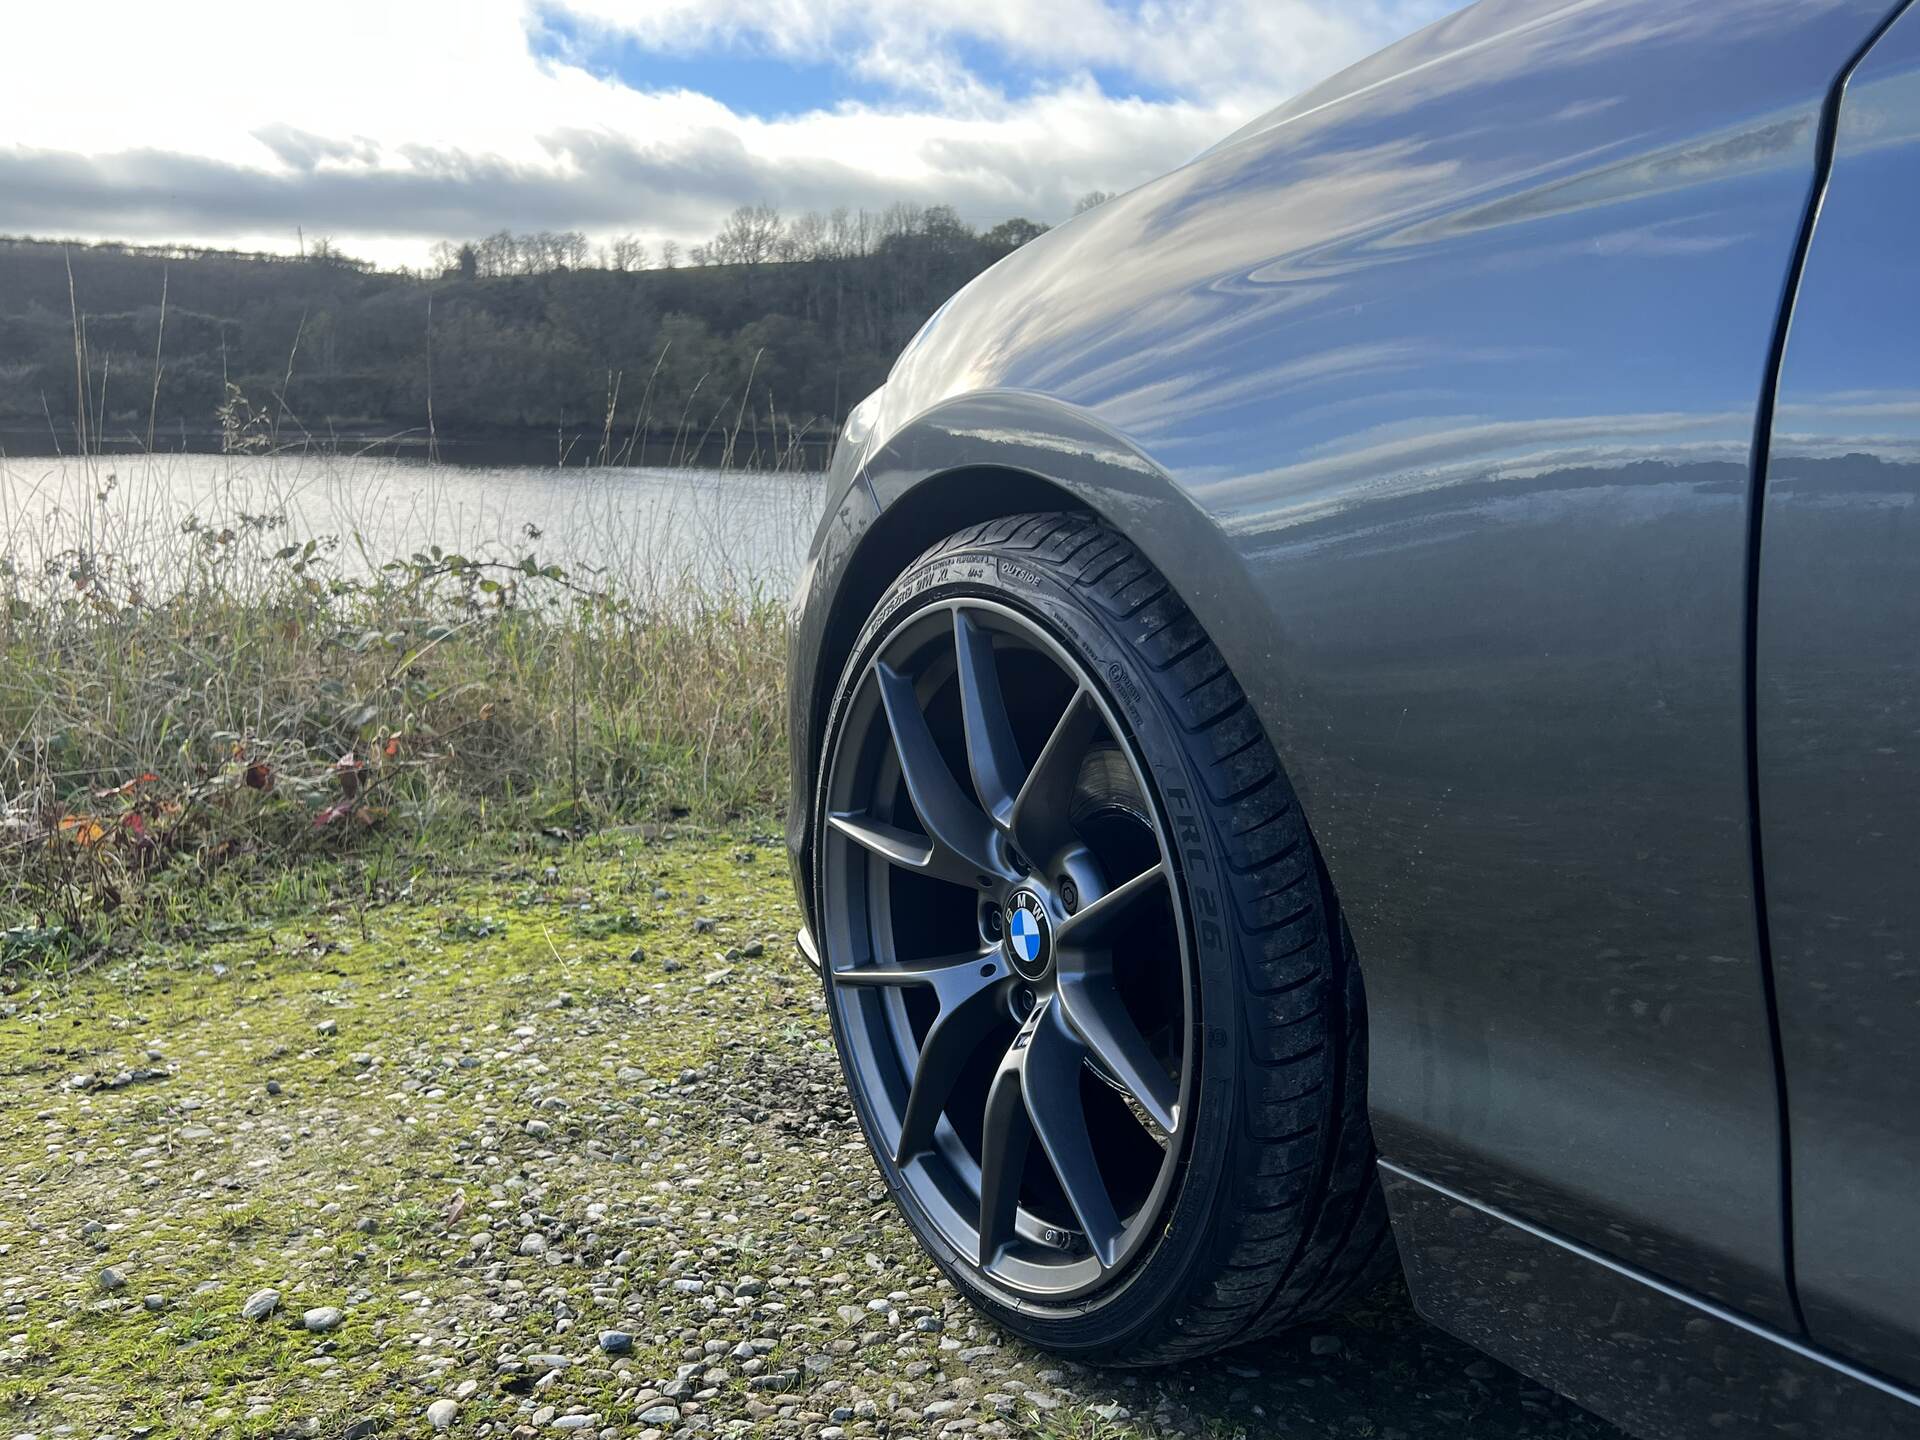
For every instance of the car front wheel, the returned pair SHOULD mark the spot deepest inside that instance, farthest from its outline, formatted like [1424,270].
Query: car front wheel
[1087,980]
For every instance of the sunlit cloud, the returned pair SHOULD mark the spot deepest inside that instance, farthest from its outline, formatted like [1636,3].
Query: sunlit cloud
[387,127]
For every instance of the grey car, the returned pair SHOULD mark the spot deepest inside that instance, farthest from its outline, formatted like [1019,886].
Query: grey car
[1358,707]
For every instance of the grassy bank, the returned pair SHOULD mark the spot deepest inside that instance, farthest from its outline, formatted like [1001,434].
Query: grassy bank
[190,711]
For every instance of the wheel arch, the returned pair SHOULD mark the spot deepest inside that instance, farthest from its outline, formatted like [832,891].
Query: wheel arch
[993,454]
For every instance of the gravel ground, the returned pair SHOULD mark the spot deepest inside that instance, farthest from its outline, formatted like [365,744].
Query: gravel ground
[549,1144]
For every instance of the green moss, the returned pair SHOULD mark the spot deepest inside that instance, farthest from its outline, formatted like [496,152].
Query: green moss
[272,1138]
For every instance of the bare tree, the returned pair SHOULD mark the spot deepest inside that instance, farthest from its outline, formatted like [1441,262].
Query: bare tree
[627,252]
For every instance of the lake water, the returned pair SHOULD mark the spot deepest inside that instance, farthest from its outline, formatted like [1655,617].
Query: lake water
[638,526]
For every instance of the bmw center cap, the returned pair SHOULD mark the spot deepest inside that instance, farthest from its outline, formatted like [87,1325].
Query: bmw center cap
[1029,938]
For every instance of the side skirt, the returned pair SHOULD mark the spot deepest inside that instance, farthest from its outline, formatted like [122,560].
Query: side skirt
[1656,1361]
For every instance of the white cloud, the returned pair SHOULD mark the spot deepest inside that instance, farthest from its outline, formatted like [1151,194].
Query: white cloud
[388,125]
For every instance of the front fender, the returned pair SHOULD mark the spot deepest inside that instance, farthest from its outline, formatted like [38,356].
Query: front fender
[973,458]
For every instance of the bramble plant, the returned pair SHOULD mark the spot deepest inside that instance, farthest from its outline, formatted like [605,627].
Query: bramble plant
[188,706]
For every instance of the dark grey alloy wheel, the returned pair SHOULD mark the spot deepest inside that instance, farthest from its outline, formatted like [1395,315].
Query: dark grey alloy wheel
[1027,975]
[1016,1013]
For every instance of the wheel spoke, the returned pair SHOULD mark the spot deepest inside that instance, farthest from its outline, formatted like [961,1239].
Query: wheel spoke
[1040,818]
[1095,1013]
[955,824]
[993,756]
[953,977]
[955,1035]
[1097,922]
[1005,1135]
[1050,1075]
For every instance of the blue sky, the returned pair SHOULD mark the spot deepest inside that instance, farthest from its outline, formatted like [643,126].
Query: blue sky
[651,118]
[753,78]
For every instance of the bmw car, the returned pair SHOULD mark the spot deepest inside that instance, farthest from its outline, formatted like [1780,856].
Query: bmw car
[1356,709]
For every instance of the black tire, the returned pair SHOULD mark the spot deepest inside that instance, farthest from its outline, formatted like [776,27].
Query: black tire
[1276,1215]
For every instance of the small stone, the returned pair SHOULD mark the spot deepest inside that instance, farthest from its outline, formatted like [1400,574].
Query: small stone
[703,924]
[660,1415]
[155,1303]
[112,1280]
[327,1027]
[533,1244]
[753,950]
[441,1413]
[261,1304]
[273,1087]
[539,1129]
[637,955]
[616,1342]
[323,1319]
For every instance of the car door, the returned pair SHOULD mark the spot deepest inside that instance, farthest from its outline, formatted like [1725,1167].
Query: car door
[1838,715]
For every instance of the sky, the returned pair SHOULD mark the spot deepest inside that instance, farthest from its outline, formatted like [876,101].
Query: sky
[388,125]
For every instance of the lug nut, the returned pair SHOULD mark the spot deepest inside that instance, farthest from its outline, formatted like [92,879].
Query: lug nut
[991,923]
[1069,894]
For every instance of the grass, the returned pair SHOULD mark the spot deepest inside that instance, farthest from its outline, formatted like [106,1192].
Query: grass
[193,710]
[371,1124]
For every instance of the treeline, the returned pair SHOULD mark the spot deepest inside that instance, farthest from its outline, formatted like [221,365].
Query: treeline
[779,323]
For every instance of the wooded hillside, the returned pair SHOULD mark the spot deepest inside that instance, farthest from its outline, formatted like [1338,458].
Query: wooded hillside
[512,332]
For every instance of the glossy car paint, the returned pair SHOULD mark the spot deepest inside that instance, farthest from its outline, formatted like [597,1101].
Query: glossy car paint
[1838,720]
[1663,1363]
[1435,394]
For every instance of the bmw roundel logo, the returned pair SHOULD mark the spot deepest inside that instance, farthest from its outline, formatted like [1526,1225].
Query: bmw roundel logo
[1028,938]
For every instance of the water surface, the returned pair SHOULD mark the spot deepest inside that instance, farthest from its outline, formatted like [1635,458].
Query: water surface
[636,526]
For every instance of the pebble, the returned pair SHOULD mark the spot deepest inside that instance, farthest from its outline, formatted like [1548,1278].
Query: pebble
[112,1280]
[323,1319]
[616,1342]
[441,1414]
[261,1304]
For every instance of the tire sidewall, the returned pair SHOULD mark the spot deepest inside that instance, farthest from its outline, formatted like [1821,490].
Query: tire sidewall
[1108,1318]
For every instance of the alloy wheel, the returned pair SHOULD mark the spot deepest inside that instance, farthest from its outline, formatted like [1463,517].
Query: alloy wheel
[1006,957]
